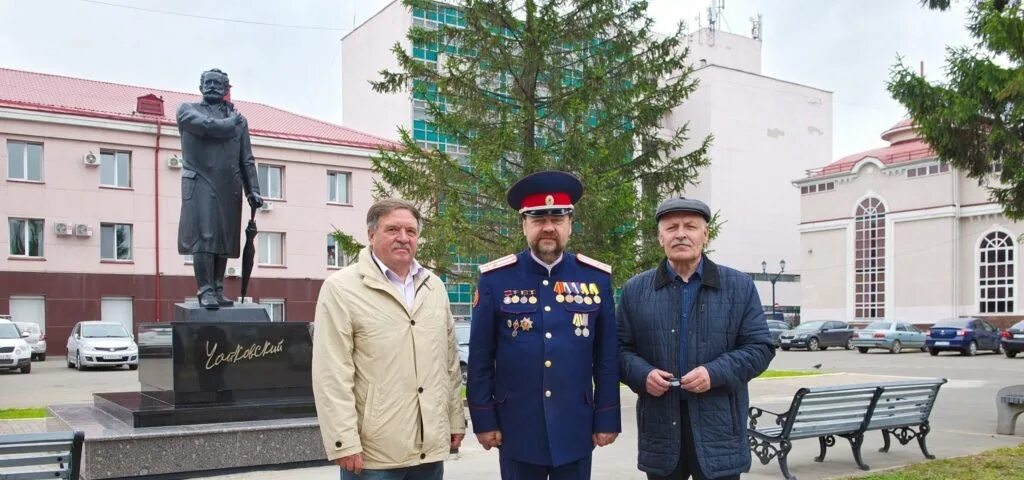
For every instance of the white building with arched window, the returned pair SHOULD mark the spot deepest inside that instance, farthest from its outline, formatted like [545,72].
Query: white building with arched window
[897,233]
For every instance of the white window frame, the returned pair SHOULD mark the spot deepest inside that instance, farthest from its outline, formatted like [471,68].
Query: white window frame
[131,242]
[334,182]
[26,237]
[272,304]
[268,183]
[264,252]
[869,259]
[116,156]
[24,160]
[987,299]
[341,259]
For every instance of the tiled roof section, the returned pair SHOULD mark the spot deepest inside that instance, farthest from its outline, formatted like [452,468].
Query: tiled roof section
[89,98]
[897,152]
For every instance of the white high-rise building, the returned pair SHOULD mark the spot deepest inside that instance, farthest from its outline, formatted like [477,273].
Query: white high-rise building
[766,131]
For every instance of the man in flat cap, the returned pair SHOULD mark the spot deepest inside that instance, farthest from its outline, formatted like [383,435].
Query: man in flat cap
[692,334]
[543,376]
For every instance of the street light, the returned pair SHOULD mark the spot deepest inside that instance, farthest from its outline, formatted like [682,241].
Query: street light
[764,270]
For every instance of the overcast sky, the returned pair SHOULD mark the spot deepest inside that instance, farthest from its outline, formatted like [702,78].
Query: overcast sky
[287,53]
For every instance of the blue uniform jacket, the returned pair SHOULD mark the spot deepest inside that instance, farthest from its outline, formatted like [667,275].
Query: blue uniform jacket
[551,382]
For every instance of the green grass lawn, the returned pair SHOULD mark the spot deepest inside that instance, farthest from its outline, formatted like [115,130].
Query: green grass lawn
[18,413]
[788,373]
[999,464]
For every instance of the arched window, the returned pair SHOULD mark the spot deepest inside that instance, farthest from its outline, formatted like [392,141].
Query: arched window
[870,259]
[996,273]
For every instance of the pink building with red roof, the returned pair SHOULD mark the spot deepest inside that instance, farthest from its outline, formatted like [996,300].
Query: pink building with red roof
[91,198]
[896,233]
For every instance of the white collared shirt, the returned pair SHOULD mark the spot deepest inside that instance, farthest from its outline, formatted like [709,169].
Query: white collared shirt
[545,265]
[407,288]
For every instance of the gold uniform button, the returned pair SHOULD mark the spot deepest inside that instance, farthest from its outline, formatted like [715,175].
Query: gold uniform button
[547,364]
[547,308]
[547,335]
[547,394]
[545,283]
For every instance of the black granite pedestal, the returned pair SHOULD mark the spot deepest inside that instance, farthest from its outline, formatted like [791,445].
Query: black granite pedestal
[197,370]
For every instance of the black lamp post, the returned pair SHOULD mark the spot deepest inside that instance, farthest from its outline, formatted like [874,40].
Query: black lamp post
[775,277]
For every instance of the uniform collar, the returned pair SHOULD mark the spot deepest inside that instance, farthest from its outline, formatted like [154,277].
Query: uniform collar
[535,265]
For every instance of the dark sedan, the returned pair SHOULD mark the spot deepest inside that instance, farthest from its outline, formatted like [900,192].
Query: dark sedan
[1013,340]
[818,335]
[776,327]
[965,335]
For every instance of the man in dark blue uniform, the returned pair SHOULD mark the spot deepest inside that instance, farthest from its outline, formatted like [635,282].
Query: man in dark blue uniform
[543,373]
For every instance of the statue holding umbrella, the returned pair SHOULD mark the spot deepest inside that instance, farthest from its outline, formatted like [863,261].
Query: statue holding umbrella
[218,168]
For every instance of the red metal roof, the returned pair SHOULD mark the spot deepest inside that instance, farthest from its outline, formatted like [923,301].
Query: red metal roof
[89,98]
[897,152]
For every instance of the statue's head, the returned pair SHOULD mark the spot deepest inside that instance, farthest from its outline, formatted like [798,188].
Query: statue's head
[214,85]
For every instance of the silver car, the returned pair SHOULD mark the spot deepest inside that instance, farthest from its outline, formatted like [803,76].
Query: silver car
[36,339]
[101,344]
[462,339]
[891,336]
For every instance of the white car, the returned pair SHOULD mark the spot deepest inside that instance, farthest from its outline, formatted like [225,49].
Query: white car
[14,350]
[101,344]
[36,339]
[462,338]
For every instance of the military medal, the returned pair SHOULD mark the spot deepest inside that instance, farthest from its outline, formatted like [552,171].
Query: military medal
[586,324]
[507,299]
[533,297]
[575,289]
[595,292]
[515,328]
[577,322]
[526,324]
[586,291]
[560,291]
[523,298]
[515,297]
[510,324]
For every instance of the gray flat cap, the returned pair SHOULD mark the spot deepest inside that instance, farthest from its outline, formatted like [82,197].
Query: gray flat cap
[683,204]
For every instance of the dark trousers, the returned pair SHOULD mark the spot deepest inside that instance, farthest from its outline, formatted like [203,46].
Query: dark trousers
[513,470]
[687,466]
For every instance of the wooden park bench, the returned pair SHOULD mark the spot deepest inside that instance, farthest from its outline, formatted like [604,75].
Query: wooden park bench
[41,455]
[1009,405]
[847,411]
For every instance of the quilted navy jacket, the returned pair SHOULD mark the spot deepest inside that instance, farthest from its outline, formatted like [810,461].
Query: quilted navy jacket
[727,334]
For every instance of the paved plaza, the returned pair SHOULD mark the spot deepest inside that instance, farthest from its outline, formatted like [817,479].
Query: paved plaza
[964,420]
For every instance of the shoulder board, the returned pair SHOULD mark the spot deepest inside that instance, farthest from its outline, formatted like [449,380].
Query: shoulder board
[496,264]
[604,267]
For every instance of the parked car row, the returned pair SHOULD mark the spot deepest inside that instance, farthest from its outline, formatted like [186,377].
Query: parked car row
[965,335]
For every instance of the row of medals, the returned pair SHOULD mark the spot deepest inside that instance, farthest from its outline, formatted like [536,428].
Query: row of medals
[571,292]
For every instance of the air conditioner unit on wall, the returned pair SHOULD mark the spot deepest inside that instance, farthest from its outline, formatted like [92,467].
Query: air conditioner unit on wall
[82,230]
[174,162]
[232,271]
[91,159]
[62,229]
[267,207]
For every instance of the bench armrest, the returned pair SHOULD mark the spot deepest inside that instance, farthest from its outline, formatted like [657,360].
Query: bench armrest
[755,413]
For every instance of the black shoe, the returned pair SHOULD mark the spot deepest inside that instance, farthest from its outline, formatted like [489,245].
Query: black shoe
[224,302]
[209,301]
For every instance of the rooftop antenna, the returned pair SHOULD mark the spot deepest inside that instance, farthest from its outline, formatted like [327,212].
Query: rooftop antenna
[757,27]
[714,19]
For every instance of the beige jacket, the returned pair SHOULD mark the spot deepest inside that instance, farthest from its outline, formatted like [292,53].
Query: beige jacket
[386,379]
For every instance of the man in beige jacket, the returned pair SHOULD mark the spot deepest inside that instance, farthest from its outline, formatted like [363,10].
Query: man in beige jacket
[385,363]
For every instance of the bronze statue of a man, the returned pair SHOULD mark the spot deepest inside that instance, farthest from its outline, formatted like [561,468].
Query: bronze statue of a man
[218,166]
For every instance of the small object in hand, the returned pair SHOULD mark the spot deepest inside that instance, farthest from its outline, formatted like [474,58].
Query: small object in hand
[674,381]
